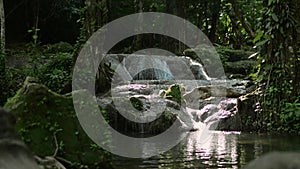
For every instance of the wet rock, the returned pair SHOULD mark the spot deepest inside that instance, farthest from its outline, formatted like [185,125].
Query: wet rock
[43,116]
[207,104]
[227,122]
[198,93]
[232,55]
[224,116]
[207,111]
[236,63]
[14,153]
[155,67]
[235,76]
[146,108]
[243,67]
[248,107]
[204,92]
[276,160]
[157,121]
[208,57]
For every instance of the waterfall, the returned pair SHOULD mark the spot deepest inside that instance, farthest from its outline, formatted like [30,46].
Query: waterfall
[197,69]
[151,67]
[156,67]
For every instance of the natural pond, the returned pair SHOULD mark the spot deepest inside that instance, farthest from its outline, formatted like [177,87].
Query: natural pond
[222,150]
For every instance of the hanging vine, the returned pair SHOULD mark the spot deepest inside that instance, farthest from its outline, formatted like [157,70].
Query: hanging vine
[280,66]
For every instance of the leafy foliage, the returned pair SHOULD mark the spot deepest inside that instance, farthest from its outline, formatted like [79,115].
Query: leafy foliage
[278,42]
[56,74]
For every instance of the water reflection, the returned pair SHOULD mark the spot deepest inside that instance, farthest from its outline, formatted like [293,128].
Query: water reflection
[219,150]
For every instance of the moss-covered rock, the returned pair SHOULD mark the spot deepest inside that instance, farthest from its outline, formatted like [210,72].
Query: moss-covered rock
[175,93]
[137,103]
[59,47]
[243,67]
[248,108]
[157,124]
[235,62]
[276,160]
[44,116]
[232,55]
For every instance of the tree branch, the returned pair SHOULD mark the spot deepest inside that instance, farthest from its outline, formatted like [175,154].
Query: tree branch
[240,17]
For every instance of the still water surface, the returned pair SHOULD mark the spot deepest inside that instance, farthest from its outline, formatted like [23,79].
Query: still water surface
[221,150]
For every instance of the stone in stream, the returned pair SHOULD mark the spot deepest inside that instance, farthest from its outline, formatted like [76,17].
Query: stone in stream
[276,160]
[14,154]
[206,103]
[206,98]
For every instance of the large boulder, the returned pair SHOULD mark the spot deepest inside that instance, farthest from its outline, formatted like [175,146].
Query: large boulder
[47,122]
[276,160]
[14,154]
[208,58]
[242,67]
[140,105]
[223,116]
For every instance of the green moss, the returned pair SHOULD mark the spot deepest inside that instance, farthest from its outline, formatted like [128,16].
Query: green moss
[44,115]
[137,103]
[174,93]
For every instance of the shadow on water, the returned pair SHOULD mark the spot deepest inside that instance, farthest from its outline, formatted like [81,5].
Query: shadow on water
[221,150]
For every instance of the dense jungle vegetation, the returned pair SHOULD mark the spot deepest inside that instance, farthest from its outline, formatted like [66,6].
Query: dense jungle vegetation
[42,38]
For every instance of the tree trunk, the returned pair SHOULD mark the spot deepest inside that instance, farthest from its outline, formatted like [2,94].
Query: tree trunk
[2,28]
[90,19]
[3,85]
[166,42]
[180,6]
[95,18]
[214,21]
[239,16]
[138,42]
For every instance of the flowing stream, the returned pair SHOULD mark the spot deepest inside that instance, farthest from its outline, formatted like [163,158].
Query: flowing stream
[222,150]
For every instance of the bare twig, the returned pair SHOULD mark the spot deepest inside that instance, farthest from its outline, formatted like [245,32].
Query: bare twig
[56,144]
[53,160]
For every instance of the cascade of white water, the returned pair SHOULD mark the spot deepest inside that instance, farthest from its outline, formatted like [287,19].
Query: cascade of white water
[156,67]
[163,73]
[143,67]
[200,72]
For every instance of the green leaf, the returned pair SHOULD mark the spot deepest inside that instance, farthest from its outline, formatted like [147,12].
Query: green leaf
[260,33]
[261,42]
[270,2]
[281,30]
[34,37]
[275,18]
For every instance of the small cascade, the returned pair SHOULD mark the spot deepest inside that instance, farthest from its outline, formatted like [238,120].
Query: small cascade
[156,67]
[197,69]
[143,67]
[210,103]
[153,74]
